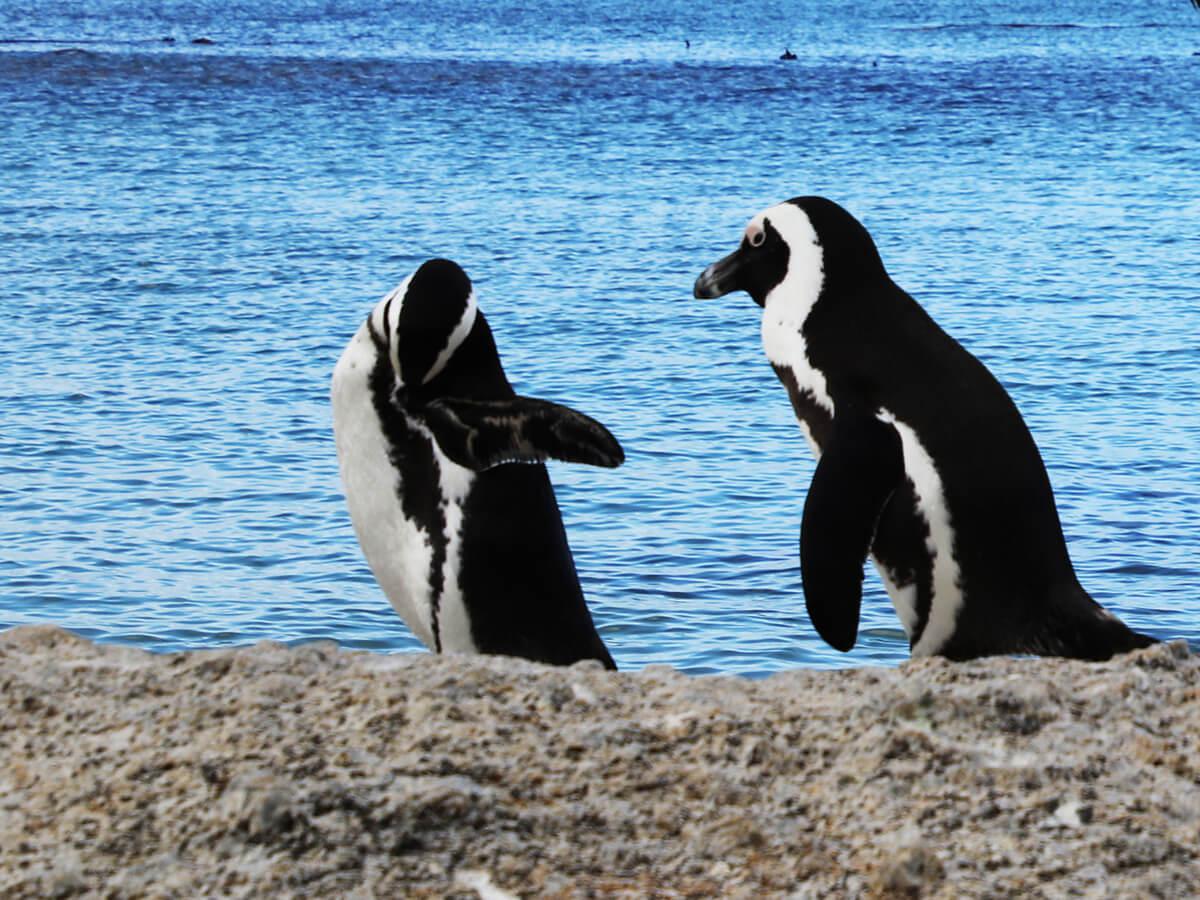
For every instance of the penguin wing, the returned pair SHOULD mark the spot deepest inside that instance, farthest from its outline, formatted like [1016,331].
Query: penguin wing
[480,434]
[860,467]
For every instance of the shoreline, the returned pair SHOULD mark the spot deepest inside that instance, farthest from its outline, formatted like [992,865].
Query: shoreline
[269,770]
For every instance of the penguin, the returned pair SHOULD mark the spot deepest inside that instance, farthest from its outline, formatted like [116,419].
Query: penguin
[442,467]
[924,462]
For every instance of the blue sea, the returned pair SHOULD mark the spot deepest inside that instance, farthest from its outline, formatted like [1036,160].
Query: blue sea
[190,232]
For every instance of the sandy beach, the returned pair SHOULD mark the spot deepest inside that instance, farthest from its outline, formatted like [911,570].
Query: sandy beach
[311,771]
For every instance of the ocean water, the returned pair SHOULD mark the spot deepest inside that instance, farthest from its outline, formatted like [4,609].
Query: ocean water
[189,233]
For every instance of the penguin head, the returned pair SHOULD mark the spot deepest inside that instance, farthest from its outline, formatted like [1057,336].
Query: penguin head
[424,325]
[793,252]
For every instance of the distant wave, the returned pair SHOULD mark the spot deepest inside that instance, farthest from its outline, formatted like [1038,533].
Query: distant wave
[4,40]
[160,40]
[1040,26]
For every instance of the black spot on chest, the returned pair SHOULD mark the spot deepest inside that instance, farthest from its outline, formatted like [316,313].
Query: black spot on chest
[806,407]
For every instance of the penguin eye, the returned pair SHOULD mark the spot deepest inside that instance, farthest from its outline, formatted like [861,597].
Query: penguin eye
[757,238]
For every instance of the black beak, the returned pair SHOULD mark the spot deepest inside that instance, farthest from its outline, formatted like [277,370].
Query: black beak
[721,278]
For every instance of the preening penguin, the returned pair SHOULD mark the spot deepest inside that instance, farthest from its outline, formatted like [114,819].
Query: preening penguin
[924,462]
[441,463]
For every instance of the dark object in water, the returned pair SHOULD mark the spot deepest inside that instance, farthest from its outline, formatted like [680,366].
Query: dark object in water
[789,55]
[203,41]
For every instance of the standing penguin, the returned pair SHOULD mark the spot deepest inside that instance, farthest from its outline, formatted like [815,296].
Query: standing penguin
[442,467]
[924,462]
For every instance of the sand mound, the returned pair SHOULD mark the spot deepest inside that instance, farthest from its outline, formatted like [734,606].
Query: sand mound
[270,771]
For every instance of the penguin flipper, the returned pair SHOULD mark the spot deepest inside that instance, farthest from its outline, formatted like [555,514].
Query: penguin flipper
[481,434]
[861,465]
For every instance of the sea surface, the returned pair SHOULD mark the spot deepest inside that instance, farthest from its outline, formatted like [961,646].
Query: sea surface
[190,232]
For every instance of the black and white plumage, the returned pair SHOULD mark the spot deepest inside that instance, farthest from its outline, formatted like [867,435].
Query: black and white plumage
[924,462]
[442,467]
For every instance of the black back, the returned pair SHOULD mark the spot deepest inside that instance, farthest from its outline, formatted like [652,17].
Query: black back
[518,574]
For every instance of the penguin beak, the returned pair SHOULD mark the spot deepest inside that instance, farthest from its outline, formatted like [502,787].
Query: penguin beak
[721,278]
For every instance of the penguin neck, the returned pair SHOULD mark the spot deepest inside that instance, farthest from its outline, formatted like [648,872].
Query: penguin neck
[785,314]
[787,307]
[790,302]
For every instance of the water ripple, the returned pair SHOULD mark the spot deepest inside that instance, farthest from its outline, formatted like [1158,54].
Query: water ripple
[197,230]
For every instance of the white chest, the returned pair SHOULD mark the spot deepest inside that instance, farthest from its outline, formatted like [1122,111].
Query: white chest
[399,549]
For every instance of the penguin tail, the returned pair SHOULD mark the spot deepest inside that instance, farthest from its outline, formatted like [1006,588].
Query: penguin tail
[1085,630]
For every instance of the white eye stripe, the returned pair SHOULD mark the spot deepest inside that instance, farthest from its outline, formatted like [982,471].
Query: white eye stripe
[801,285]
[384,323]
[392,329]
[457,336]
[384,320]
